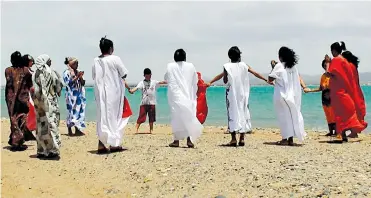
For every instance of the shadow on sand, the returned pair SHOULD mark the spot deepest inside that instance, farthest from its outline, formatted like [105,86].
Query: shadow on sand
[275,144]
[48,159]
[338,141]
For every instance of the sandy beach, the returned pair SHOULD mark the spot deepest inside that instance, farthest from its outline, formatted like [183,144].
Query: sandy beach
[151,169]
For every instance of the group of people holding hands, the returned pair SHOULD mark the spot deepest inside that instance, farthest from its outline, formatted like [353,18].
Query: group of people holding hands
[39,91]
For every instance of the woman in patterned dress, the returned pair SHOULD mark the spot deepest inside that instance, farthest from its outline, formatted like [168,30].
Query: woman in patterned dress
[75,96]
[18,84]
[47,89]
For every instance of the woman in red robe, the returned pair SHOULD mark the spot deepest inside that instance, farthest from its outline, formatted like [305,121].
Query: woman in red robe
[347,98]
[202,108]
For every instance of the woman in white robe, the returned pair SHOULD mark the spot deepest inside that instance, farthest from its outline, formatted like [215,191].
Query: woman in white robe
[236,76]
[182,81]
[109,87]
[287,96]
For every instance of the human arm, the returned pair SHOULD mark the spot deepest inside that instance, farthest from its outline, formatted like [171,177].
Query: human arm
[256,74]
[308,90]
[162,82]
[216,78]
[139,86]
[303,86]
[126,85]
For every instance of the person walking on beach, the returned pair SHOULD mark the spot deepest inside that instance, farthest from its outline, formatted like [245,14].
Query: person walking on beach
[346,95]
[182,81]
[17,94]
[326,100]
[109,75]
[47,88]
[236,76]
[287,96]
[148,103]
[75,96]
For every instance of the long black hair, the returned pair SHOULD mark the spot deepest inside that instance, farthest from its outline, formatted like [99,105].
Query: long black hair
[234,54]
[288,56]
[351,58]
[340,48]
[180,55]
[16,59]
[105,45]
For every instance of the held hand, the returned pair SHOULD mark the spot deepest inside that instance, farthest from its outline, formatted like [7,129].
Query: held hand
[307,90]
[208,84]
[131,91]
[271,83]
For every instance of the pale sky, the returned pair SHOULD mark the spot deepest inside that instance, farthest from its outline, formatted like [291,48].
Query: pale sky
[146,34]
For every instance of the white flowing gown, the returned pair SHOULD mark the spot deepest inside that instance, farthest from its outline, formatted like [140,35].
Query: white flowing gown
[287,101]
[182,89]
[109,90]
[237,97]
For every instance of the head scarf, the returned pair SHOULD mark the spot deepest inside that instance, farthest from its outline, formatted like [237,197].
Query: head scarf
[41,61]
[71,60]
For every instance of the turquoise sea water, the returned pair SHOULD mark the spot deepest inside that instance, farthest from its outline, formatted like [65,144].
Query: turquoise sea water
[261,107]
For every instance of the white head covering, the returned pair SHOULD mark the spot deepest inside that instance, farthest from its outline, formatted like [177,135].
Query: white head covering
[71,60]
[41,61]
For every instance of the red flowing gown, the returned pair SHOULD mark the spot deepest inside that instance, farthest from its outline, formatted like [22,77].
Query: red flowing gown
[202,108]
[346,96]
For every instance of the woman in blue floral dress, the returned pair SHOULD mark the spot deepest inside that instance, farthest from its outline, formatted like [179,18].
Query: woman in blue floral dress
[75,96]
